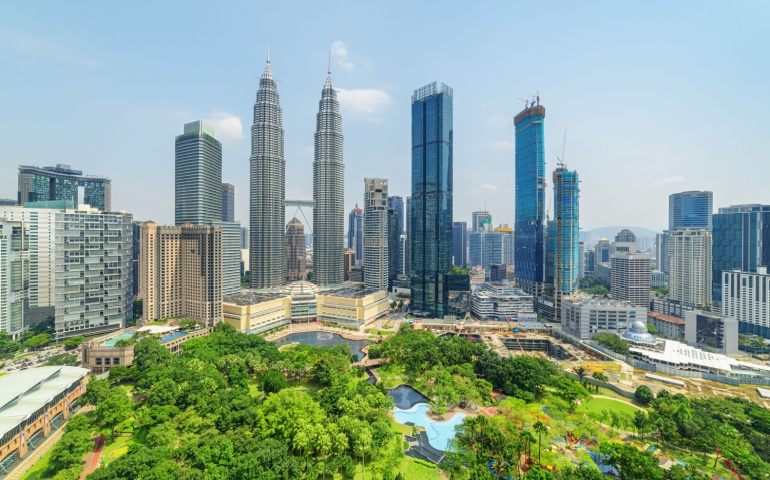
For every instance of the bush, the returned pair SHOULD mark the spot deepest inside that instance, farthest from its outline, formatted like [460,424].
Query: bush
[644,395]
[612,342]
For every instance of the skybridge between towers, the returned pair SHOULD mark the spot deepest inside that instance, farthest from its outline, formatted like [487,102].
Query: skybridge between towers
[299,204]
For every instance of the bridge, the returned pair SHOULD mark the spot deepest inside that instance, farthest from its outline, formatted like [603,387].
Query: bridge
[370,363]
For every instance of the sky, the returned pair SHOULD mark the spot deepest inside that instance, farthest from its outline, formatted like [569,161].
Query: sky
[655,97]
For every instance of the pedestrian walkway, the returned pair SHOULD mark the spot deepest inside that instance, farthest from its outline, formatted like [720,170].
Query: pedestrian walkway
[92,458]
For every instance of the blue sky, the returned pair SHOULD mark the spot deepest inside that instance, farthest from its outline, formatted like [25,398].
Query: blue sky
[656,97]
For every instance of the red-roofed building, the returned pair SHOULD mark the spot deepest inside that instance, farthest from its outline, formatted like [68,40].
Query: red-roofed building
[667,325]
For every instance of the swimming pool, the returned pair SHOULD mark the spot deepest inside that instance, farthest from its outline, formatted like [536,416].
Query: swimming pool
[172,336]
[123,336]
[439,433]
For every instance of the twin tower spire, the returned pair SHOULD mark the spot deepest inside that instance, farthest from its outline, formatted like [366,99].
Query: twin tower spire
[268,189]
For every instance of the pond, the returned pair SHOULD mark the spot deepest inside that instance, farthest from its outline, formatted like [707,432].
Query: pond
[439,433]
[406,397]
[324,339]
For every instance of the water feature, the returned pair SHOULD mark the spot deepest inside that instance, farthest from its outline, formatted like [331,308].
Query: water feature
[123,336]
[324,339]
[406,397]
[439,433]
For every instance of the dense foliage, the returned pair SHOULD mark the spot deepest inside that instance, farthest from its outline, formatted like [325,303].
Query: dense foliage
[612,342]
[593,286]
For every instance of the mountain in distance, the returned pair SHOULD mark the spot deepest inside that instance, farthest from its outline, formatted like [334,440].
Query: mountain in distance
[610,232]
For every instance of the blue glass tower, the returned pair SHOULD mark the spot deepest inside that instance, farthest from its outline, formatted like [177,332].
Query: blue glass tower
[529,254]
[741,241]
[431,202]
[566,234]
[690,210]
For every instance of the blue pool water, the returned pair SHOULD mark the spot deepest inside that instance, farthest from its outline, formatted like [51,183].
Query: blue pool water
[405,397]
[324,339]
[439,433]
[123,336]
[172,336]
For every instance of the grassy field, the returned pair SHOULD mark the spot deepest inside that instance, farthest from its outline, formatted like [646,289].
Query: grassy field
[596,405]
[113,450]
[383,333]
[38,470]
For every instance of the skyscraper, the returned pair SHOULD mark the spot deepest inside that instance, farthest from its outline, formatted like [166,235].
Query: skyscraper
[136,250]
[480,219]
[460,244]
[661,252]
[408,246]
[14,277]
[296,265]
[631,277]
[689,264]
[198,175]
[690,210]
[376,263]
[228,202]
[431,209]
[741,242]
[267,247]
[396,204]
[61,182]
[394,246]
[567,235]
[356,233]
[485,247]
[328,190]
[530,199]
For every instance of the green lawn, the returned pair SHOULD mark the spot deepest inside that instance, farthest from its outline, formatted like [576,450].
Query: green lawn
[596,405]
[113,450]
[377,331]
[413,470]
[254,391]
[38,470]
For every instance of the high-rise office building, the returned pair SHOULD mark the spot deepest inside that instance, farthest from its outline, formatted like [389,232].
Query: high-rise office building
[508,251]
[480,220]
[431,203]
[228,202]
[94,282]
[690,210]
[349,263]
[582,261]
[746,297]
[603,251]
[394,246]
[631,277]
[661,252]
[181,270]
[231,256]
[328,191]
[741,242]
[267,249]
[14,277]
[376,263]
[529,241]
[356,233]
[61,182]
[566,205]
[485,247]
[396,204]
[689,263]
[296,263]
[198,175]
[408,247]
[460,244]
[136,250]
[244,238]
[625,242]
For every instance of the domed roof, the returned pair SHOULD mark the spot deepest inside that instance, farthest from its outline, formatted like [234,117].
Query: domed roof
[638,333]
[300,288]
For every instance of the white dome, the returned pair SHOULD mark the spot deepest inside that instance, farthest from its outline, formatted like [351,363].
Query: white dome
[638,333]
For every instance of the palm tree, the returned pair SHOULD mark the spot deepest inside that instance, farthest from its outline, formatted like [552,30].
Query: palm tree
[527,439]
[541,429]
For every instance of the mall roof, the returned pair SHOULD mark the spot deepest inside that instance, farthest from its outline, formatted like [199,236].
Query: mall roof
[24,392]
[680,354]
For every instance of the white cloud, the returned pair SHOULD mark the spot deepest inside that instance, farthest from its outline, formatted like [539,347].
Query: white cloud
[498,121]
[227,126]
[488,187]
[669,180]
[28,45]
[503,145]
[340,52]
[365,102]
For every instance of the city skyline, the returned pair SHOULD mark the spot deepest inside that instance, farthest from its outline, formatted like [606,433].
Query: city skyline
[666,154]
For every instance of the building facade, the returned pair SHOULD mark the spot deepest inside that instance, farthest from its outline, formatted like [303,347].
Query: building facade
[296,256]
[689,262]
[661,252]
[741,242]
[231,256]
[480,219]
[485,247]
[667,326]
[529,241]
[584,318]
[690,210]
[328,190]
[267,191]
[497,301]
[746,297]
[396,205]
[431,202]
[39,184]
[356,233]
[14,277]
[631,278]
[197,175]
[228,202]
[136,249]
[181,272]
[711,331]
[460,244]
[566,223]
[376,260]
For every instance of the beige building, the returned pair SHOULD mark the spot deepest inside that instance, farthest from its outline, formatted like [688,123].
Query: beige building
[181,272]
[296,264]
[689,267]
[352,306]
[631,278]
[376,233]
[252,312]
[348,263]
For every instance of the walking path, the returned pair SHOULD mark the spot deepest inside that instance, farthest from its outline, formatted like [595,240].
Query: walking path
[92,458]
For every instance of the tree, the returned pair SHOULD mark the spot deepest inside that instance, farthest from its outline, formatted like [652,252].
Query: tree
[540,428]
[69,450]
[114,409]
[38,341]
[8,347]
[149,352]
[73,342]
[640,422]
[581,372]
[96,391]
[273,381]
[62,359]
[120,373]
[644,394]
[651,329]
[612,342]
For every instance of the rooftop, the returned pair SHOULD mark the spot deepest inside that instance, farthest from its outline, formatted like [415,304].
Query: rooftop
[250,297]
[666,318]
[24,392]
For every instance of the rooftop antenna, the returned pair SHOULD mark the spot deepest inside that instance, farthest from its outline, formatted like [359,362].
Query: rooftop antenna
[526,102]
[560,161]
[330,62]
[538,98]
[268,51]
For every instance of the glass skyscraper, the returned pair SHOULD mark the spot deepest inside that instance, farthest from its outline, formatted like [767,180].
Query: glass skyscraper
[529,254]
[61,183]
[431,202]
[741,241]
[228,202]
[356,233]
[198,175]
[690,210]
[460,244]
[566,226]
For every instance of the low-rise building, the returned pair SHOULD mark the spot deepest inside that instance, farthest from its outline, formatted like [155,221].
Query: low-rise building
[499,301]
[34,403]
[711,331]
[584,317]
[667,326]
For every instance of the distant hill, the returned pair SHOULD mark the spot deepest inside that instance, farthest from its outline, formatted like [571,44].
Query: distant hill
[610,232]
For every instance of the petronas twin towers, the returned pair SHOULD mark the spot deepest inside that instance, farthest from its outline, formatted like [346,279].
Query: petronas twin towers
[268,189]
